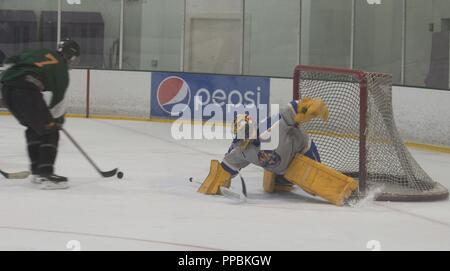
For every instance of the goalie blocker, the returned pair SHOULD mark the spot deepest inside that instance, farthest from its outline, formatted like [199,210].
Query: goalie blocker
[217,177]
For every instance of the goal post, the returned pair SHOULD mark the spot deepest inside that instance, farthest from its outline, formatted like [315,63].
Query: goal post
[360,138]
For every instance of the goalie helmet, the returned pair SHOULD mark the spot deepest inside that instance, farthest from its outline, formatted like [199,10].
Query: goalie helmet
[69,49]
[244,128]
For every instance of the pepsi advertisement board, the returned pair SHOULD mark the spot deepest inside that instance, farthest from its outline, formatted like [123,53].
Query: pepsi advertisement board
[188,93]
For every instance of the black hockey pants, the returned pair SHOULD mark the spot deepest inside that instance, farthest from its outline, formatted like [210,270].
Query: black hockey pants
[30,109]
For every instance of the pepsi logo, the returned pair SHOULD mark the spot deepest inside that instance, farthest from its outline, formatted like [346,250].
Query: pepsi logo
[171,91]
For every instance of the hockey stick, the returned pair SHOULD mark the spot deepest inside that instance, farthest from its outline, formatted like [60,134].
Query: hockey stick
[227,192]
[104,174]
[244,187]
[15,175]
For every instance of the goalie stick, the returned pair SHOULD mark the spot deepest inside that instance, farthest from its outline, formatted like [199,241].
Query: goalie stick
[228,193]
[244,187]
[15,175]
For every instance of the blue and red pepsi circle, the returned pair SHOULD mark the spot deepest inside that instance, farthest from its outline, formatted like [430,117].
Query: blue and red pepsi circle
[171,91]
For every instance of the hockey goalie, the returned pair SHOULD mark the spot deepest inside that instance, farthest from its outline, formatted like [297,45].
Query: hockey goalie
[294,161]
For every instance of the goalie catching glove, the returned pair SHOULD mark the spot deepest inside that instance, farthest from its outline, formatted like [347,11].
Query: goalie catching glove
[308,109]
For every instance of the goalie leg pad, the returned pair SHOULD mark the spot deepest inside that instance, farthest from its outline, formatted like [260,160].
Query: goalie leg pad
[217,177]
[269,181]
[272,183]
[321,180]
[283,185]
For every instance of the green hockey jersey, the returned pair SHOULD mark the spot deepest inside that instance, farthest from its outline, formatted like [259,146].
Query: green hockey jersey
[45,69]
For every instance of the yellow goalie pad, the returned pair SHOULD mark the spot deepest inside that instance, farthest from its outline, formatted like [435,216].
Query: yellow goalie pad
[217,177]
[270,185]
[321,180]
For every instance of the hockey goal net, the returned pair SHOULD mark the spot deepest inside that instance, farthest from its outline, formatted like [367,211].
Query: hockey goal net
[360,138]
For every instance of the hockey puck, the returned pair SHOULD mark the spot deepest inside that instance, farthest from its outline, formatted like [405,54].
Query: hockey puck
[120,174]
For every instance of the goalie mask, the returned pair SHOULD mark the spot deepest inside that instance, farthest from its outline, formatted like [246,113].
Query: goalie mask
[244,129]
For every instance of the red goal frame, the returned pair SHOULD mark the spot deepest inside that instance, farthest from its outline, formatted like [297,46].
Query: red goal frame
[362,79]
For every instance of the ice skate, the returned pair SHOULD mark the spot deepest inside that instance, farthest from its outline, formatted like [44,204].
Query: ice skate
[53,182]
[36,179]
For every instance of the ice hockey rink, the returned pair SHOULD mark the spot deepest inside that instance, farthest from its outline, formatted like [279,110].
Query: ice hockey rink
[155,207]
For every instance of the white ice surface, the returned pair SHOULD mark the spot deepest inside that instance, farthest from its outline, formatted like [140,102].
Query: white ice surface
[155,207]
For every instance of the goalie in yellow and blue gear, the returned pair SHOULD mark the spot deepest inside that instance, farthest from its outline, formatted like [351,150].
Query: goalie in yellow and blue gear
[244,130]
[304,110]
[294,161]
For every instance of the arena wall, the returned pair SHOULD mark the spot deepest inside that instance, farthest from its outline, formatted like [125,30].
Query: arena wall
[421,115]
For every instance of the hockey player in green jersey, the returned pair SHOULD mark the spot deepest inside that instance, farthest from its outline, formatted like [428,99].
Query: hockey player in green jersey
[32,73]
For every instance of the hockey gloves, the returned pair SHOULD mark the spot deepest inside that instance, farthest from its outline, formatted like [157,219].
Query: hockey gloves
[57,123]
[61,120]
[309,109]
